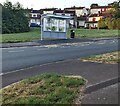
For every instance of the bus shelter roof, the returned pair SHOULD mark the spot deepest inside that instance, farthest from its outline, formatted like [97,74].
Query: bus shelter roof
[56,16]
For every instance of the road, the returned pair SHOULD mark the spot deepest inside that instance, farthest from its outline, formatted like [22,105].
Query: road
[24,57]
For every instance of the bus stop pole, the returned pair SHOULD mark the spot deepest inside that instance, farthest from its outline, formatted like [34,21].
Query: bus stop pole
[41,29]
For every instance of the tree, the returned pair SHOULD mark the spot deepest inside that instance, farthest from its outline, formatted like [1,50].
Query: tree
[116,9]
[14,19]
[94,5]
[101,24]
[118,23]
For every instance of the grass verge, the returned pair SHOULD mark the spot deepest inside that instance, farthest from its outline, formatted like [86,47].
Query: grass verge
[34,34]
[44,89]
[112,58]
[95,33]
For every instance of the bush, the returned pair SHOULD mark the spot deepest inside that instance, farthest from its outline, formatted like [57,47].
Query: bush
[102,24]
[109,23]
[118,23]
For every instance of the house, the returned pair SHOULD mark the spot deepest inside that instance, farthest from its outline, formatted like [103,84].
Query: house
[72,22]
[99,9]
[81,21]
[34,17]
[97,13]
[92,20]
[79,11]
[48,10]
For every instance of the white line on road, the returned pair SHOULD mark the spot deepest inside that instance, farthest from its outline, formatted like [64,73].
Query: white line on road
[100,43]
[1,74]
[16,51]
[43,49]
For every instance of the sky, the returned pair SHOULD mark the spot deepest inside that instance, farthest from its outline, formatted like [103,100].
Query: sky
[39,4]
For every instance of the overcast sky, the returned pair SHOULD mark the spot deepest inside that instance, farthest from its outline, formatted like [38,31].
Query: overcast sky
[38,4]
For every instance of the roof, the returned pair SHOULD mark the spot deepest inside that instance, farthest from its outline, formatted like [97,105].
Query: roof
[94,15]
[48,9]
[33,11]
[82,18]
[97,7]
[56,16]
[91,22]
[100,14]
[74,7]
[65,11]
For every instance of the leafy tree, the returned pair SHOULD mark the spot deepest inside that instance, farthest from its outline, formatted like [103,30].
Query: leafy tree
[94,5]
[116,9]
[101,24]
[14,19]
[118,23]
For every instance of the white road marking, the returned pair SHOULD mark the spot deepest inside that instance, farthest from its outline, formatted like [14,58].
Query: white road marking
[16,51]
[43,49]
[1,74]
[100,43]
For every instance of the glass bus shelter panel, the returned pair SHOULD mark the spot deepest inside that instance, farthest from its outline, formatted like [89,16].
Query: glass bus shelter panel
[54,25]
[47,24]
[62,25]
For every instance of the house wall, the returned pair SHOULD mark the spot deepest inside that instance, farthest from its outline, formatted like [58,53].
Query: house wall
[91,25]
[64,13]
[85,11]
[94,11]
[36,21]
[101,10]
[72,22]
[79,12]
[94,18]
[34,14]
[81,23]
[45,12]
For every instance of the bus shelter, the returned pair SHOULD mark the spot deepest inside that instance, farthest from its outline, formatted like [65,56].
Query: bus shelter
[54,26]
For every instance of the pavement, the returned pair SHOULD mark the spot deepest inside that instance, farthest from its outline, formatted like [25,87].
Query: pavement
[52,42]
[107,95]
[99,75]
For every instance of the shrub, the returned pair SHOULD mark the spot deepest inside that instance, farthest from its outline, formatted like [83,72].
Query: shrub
[110,23]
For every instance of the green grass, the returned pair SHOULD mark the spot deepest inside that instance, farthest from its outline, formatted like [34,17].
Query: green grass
[95,33]
[44,89]
[21,37]
[34,34]
[111,58]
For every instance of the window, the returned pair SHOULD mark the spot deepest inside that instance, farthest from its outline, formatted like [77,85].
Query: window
[47,24]
[33,20]
[62,25]
[94,19]
[34,15]
[55,25]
